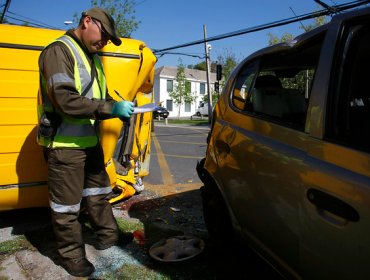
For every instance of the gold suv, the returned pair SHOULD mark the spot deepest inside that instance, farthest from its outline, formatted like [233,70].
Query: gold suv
[288,163]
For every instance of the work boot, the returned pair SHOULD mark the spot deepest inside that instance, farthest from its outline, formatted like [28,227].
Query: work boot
[123,240]
[79,268]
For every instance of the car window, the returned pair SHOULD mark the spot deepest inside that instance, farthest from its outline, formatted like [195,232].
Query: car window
[350,108]
[242,86]
[279,91]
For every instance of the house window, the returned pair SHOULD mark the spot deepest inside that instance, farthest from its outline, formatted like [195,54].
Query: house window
[169,105]
[187,106]
[169,85]
[202,89]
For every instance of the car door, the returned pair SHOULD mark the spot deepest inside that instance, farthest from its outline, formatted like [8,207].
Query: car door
[335,216]
[259,162]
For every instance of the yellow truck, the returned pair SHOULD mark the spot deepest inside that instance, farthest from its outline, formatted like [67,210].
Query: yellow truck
[129,70]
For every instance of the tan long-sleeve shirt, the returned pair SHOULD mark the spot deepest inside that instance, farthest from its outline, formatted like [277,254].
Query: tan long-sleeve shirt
[57,58]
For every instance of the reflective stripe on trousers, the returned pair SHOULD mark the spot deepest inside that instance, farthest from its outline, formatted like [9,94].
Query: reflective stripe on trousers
[60,208]
[96,191]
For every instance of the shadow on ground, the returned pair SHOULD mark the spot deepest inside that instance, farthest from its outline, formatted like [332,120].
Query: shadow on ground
[162,216]
[182,214]
[35,225]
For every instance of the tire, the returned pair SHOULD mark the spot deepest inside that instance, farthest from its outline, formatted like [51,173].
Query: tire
[198,114]
[215,214]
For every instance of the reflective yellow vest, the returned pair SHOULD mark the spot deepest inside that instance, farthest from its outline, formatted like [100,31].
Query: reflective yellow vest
[73,132]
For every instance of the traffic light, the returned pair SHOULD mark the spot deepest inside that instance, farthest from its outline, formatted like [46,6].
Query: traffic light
[219,72]
[217,87]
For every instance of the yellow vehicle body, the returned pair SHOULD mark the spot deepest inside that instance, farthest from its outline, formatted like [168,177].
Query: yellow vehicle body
[129,70]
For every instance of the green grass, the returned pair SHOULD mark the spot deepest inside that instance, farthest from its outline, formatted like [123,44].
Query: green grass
[129,226]
[11,246]
[133,272]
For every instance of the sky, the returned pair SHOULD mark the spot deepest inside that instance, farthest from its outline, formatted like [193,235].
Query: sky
[169,23]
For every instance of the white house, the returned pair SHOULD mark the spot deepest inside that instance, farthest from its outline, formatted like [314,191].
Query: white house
[165,80]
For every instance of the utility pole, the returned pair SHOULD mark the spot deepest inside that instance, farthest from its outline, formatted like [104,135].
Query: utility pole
[207,48]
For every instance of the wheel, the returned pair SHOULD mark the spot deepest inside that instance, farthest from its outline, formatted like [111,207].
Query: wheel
[198,114]
[177,248]
[215,214]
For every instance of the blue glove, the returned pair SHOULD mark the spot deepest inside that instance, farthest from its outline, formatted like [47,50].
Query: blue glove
[123,109]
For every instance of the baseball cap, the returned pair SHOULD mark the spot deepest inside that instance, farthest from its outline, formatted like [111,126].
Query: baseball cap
[107,22]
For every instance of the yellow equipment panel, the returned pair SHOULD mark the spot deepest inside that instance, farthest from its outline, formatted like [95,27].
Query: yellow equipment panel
[129,69]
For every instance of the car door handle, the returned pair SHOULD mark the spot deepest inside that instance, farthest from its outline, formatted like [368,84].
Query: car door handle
[222,147]
[325,201]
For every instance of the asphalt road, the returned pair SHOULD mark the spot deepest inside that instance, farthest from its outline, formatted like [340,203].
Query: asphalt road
[175,151]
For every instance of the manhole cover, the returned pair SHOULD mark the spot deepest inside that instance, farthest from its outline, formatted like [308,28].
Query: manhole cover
[177,248]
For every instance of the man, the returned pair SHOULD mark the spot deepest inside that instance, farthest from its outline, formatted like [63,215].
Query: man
[72,99]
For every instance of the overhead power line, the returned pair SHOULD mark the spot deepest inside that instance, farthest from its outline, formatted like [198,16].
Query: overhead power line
[28,20]
[326,6]
[185,54]
[6,7]
[304,27]
[338,8]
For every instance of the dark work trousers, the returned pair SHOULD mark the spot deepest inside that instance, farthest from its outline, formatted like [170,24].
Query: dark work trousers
[76,174]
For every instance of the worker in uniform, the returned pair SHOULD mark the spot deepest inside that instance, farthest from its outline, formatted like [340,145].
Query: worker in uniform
[73,97]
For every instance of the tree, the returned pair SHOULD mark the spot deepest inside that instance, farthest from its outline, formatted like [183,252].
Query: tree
[273,40]
[287,37]
[214,95]
[200,66]
[123,13]
[318,21]
[228,61]
[182,92]
[203,67]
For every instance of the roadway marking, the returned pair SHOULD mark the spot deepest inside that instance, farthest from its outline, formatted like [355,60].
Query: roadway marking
[198,135]
[163,166]
[184,126]
[191,143]
[197,130]
[165,190]
[177,156]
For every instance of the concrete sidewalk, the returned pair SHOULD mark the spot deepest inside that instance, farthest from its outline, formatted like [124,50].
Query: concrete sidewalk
[33,255]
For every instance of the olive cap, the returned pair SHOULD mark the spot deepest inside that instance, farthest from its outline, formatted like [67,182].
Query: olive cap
[107,22]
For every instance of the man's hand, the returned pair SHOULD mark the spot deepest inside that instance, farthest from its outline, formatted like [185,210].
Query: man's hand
[123,109]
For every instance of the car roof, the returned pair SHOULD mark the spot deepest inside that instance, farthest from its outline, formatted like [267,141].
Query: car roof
[307,36]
